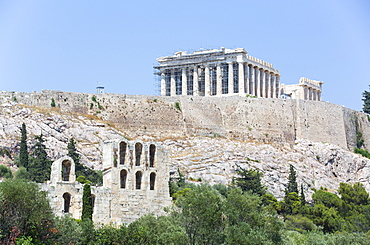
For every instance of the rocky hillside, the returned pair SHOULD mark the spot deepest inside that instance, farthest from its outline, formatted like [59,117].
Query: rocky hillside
[210,159]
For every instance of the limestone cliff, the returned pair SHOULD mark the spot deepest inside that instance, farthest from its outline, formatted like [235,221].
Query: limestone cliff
[205,137]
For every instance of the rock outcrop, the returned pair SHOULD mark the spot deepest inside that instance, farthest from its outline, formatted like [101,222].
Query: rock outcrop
[206,137]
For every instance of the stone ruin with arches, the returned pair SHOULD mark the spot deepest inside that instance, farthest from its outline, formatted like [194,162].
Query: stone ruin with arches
[135,183]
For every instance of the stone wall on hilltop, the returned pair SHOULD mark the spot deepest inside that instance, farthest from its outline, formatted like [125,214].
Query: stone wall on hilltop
[246,118]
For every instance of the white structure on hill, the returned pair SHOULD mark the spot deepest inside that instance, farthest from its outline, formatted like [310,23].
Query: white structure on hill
[226,72]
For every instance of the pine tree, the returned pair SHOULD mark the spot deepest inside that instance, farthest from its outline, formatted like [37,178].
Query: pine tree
[87,203]
[366,100]
[250,180]
[23,153]
[39,167]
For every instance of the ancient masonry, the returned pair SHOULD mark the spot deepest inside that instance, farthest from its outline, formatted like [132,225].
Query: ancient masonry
[135,183]
[228,72]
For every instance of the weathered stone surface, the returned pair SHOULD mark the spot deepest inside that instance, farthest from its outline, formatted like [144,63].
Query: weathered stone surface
[214,160]
[313,136]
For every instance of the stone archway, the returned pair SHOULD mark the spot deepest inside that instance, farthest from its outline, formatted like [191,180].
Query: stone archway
[67,202]
[66,170]
[139,176]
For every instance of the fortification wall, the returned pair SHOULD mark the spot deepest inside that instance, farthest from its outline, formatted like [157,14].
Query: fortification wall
[261,119]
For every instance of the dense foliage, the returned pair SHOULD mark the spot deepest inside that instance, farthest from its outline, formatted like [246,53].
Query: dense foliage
[24,212]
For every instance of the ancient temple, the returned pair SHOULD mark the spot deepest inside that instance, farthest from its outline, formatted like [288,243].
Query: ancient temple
[135,183]
[225,72]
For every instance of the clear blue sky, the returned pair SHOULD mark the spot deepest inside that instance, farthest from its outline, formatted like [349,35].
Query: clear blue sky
[70,45]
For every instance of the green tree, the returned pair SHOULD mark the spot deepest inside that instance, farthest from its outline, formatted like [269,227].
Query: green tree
[366,100]
[52,102]
[25,209]
[248,221]
[201,214]
[72,153]
[23,152]
[302,197]
[91,175]
[151,230]
[21,174]
[250,180]
[40,165]
[292,181]
[354,194]
[5,172]
[87,209]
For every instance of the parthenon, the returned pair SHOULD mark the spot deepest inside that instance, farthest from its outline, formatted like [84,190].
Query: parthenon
[224,72]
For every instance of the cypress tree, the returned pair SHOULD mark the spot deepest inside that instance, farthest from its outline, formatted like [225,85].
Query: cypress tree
[302,197]
[366,100]
[72,153]
[87,203]
[40,165]
[23,153]
[292,184]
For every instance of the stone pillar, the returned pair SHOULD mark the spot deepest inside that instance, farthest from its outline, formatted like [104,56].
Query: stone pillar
[163,84]
[258,82]
[230,80]
[195,81]
[247,79]
[319,96]
[241,78]
[219,80]
[184,83]
[273,80]
[268,85]
[207,82]
[253,82]
[264,95]
[173,83]
[278,86]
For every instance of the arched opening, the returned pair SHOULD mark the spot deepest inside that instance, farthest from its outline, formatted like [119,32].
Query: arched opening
[122,152]
[123,178]
[138,150]
[139,176]
[67,202]
[151,155]
[92,202]
[152,181]
[66,170]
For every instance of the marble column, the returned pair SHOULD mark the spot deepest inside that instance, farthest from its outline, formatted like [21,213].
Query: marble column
[264,95]
[268,85]
[218,80]
[163,84]
[247,80]
[253,82]
[258,82]
[207,82]
[230,80]
[278,86]
[195,81]
[184,82]
[173,83]
[273,80]
[241,78]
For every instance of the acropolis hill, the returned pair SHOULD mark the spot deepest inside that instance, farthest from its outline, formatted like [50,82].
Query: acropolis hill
[205,136]
[243,118]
